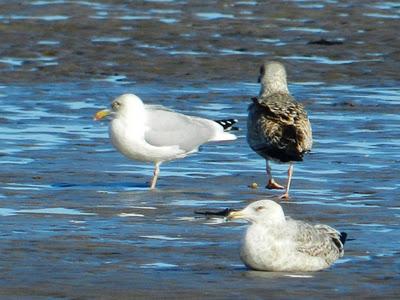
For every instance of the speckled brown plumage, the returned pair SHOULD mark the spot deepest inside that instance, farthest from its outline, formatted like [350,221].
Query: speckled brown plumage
[278,127]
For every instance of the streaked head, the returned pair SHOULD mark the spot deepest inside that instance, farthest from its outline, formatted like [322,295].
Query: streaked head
[273,77]
[122,105]
[262,211]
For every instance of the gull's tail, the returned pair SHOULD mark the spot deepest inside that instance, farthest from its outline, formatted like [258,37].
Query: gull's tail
[223,136]
[227,124]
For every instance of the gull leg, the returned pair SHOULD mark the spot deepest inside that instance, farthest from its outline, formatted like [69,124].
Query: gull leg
[289,180]
[155,175]
[271,184]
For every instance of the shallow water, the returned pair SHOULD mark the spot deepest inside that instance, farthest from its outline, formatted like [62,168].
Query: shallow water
[73,205]
[78,215]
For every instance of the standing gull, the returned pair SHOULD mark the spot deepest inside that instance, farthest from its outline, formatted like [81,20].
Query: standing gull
[274,242]
[152,133]
[277,126]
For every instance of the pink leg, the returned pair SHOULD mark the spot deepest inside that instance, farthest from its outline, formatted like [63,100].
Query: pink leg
[155,175]
[289,180]
[271,183]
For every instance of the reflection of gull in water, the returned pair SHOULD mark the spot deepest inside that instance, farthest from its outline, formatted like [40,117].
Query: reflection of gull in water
[277,126]
[155,134]
[275,243]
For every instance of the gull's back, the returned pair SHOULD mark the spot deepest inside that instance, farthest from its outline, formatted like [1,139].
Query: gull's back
[168,128]
[317,241]
[279,128]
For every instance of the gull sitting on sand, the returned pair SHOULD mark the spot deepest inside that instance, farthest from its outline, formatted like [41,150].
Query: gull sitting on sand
[277,126]
[275,243]
[152,133]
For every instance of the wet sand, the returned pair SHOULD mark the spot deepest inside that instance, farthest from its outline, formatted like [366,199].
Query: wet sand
[151,41]
[77,219]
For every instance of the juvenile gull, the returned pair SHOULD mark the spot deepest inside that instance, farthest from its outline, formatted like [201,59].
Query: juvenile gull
[277,126]
[152,133]
[274,242]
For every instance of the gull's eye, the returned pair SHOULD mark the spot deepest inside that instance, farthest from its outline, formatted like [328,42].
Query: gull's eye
[115,105]
[258,208]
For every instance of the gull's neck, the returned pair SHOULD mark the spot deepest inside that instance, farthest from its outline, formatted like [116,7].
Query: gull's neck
[131,123]
[273,85]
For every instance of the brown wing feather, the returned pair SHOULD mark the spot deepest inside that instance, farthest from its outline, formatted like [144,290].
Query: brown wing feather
[278,128]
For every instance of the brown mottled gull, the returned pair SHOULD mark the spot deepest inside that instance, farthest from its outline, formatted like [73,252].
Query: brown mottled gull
[274,242]
[277,126]
[152,133]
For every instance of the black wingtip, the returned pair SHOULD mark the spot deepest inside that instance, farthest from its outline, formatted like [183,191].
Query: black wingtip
[222,213]
[343,237]
[227,124]
[254,99]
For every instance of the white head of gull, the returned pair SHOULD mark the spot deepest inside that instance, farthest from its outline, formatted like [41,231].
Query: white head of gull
[153,133]
[273,242]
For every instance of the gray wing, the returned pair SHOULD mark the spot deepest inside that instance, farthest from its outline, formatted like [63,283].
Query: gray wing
[279,128]
[318,240]
[168,128]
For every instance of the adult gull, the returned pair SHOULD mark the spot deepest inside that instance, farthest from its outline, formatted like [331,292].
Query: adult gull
[274,242]
[278,127]
[153,133]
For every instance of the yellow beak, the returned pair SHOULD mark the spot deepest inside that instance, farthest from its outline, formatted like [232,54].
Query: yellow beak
[101,114]
[235,215]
